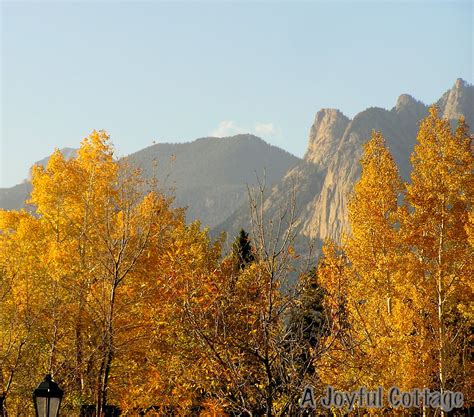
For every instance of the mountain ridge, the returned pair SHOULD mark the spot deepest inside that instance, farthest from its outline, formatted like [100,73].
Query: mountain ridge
[210,174]
[331,166]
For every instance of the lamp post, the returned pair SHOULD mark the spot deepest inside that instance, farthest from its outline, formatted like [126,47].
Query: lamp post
[2,402]
[47,398]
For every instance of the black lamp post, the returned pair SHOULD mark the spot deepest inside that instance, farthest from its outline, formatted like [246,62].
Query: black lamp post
[47,398]
[2,402]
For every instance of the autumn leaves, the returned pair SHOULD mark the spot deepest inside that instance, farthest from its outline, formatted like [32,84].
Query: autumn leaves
[108,288]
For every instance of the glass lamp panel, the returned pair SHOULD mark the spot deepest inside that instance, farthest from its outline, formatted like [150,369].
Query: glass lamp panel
[54,407]
[41,405]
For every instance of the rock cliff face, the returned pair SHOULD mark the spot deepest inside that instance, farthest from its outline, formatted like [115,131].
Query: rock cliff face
[328,124]
[338,157]
[327,212]
[326,177]
[458,101]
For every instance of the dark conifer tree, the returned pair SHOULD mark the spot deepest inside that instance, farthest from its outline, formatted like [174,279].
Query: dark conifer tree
[308,317]
[242,250]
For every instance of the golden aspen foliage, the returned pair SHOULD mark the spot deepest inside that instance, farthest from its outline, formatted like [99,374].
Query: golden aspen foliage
[407,296]
[340,366]
[362,284]
[26,299]
[373,249]
[437,232]
[86,270]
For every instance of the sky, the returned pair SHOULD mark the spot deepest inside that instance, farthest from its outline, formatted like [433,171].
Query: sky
[175,71]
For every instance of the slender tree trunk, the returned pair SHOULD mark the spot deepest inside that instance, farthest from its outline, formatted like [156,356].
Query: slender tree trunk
[83,287]
[52,352]
[269,399]
[2,394]
[442,330]
[79,377]
[98,407]
[109,352]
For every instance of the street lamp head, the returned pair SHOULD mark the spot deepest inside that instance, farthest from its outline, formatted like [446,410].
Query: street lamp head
[47,398]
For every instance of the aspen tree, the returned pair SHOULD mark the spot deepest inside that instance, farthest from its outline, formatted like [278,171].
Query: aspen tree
[373,249]
[440,196]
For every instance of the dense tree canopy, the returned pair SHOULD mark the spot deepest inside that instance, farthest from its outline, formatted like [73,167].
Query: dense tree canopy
[107,288]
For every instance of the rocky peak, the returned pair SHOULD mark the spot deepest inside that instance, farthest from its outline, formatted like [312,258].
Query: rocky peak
[408,108]
[460,83]
[404,100]
[458,101]
[328,128]
[406,103]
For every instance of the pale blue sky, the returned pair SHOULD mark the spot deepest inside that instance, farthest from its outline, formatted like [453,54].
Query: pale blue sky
[173,72]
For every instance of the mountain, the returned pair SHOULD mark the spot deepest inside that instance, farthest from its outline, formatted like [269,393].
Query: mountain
[326,176]
[208,175]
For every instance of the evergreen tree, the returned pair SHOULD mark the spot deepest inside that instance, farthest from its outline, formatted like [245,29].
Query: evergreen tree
[242,250]
[308,316]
